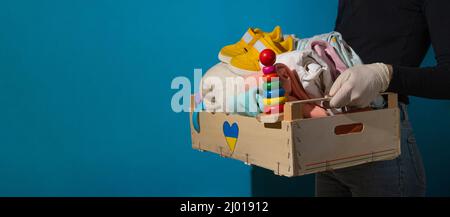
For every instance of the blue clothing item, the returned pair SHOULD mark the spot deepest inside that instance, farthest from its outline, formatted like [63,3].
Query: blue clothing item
[403,176]
[345,52]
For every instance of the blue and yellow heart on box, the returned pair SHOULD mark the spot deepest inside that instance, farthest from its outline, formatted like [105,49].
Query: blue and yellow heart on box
[231,133]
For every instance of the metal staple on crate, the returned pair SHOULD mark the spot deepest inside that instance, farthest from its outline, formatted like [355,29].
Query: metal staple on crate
[278,169]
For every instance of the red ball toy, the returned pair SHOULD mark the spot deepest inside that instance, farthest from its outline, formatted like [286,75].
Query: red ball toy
[267,57]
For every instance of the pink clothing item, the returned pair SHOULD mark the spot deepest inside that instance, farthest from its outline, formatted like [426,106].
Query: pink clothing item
[295,91]
[329,55]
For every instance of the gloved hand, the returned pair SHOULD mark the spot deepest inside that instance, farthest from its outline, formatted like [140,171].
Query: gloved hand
[360,85]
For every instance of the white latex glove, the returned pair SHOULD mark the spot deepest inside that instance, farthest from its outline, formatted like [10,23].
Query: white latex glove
[358,86]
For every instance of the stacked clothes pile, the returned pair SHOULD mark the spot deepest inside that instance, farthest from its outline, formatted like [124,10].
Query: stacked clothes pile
[306,67]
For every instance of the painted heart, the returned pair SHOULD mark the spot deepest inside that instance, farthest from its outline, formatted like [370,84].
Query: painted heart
[231,133]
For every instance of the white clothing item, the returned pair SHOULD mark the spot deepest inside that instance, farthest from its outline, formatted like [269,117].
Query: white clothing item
[212,87]
[313,72]
[219,86]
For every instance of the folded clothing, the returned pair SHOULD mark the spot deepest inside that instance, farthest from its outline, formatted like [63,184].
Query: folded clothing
[313,72]
[328,54]
[295,91]
[345,52]
[334,56]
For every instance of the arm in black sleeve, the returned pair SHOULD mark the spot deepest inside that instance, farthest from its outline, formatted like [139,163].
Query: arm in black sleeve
[431,82]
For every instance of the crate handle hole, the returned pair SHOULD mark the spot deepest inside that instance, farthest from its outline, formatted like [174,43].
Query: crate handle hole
[348,129]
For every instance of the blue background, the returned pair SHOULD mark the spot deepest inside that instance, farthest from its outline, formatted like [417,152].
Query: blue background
[85,97]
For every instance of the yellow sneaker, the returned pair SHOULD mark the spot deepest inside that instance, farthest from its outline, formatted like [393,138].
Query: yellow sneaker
[249,38]
[249,61]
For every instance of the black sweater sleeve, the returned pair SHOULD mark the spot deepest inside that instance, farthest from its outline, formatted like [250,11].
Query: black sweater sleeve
[430,82]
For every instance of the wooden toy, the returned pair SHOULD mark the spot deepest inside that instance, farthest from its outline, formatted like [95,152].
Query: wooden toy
[274,101]
[270,77]
[267,57]
[274,109]
[268,69]
[271,85]
[274,93]
[296,146]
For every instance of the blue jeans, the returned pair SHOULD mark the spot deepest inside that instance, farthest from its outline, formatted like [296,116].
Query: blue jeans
[403,176]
